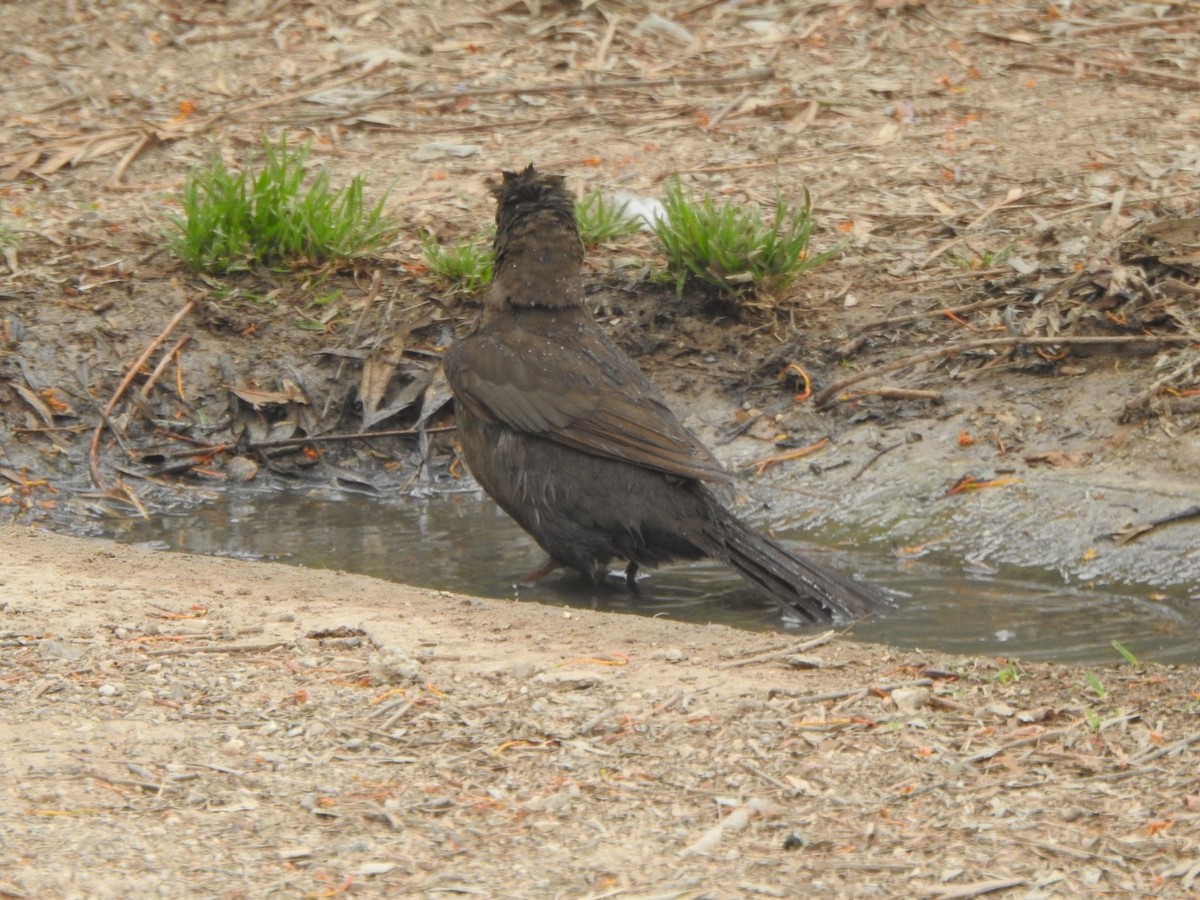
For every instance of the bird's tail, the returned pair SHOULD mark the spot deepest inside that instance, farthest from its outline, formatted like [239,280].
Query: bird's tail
[798,585]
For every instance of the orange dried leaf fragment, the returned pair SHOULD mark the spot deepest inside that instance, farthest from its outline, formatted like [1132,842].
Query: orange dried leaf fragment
[970,483]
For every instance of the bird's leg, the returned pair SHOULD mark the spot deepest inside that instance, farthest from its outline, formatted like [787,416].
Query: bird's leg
[631,571]
[529,579]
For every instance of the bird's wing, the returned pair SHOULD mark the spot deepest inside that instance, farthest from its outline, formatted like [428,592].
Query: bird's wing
[600,404]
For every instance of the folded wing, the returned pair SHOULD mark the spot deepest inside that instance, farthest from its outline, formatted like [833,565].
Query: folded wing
[518,384]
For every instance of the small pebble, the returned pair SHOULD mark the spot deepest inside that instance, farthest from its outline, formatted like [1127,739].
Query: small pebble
[523,671]
[233,747]
[59,650]
[805,662]
[392,666]
[241,468]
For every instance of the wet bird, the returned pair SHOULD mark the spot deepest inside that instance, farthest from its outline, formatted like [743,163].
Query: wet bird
[570,438]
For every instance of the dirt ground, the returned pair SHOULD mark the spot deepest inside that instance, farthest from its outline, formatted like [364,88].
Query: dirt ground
[188,726]
[184,726]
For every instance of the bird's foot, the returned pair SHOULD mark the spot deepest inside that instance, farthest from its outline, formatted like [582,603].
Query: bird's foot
[629,575]
[529,579]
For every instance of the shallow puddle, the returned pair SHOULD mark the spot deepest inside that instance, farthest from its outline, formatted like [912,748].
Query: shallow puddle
[461,542]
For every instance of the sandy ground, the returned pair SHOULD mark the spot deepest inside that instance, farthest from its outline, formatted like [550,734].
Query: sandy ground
[182,726]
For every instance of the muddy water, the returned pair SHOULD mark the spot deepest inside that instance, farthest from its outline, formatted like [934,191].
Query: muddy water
[462,543]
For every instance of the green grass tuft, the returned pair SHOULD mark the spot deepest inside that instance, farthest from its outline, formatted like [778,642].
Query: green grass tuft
[731,246]
[1126,653]
[234,220]
[8,237]
[1010,673]
[984,259]
[465,266]
[602,219]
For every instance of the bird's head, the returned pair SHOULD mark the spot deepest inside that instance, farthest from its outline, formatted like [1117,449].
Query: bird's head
[539,255]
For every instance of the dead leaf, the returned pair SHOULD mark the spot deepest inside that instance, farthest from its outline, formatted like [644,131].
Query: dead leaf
[1017,36]
[440,150]
[1058,459]
[378,373]
[258,398]
[969,483]
[35,401]
[884,134]
[399,402]
[1037,714]
[437,395]
[802,119]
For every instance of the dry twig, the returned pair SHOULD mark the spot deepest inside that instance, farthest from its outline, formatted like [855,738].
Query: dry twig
[819,640]
[823,397]
[94,446]
[849,692]
[219,648]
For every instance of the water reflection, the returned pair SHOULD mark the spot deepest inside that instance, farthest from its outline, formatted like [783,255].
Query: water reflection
[462,542]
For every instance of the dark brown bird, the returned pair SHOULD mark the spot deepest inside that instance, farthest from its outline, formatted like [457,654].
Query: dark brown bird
[564,431]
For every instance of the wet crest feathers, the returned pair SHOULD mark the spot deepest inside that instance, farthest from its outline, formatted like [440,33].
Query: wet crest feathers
[538,253]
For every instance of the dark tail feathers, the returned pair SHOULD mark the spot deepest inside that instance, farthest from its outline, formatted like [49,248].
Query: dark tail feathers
[795,583]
